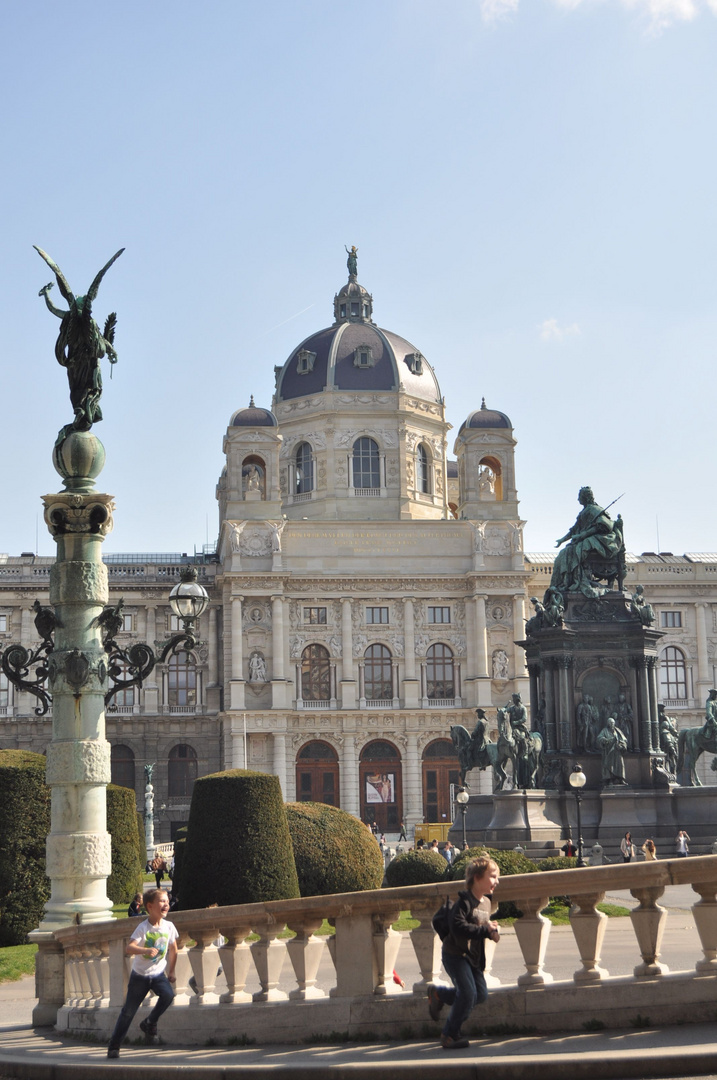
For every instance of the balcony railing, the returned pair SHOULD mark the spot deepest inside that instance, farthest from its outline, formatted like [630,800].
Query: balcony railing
[366,950]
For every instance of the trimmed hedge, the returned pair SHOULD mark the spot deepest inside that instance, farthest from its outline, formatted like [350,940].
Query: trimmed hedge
[128,859]
[333,851]
[238,848]
[180,847]
[416,868]
[24,825]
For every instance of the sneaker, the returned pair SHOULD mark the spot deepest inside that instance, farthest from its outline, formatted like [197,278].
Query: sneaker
[434,1003]
[148,1028]
[113,1051]
[449,1043]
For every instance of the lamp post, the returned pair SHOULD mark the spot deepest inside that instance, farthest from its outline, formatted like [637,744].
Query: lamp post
[577,782]
[462,799]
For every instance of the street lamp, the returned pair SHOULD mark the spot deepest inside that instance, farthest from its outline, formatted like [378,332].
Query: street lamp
[462,799]
[577,783]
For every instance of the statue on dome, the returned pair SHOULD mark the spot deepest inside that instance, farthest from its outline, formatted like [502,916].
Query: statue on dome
[352,261]
[595,551]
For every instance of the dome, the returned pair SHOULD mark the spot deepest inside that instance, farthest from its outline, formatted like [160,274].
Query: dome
[355,355]
[253,416]
[485,418]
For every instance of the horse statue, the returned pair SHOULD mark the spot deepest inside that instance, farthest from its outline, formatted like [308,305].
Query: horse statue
[692,742]
[525,749]
[476,753]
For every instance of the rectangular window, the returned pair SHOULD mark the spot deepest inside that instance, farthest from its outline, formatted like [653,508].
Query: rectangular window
[439,614]
[376,614]
[3,623]
[671,619]
[315,615]
[175,624]
[127,623]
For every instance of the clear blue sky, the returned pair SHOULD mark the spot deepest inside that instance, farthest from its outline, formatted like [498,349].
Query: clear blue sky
[531,185]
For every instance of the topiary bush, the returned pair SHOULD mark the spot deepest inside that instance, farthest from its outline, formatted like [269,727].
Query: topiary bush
[509,862]
[238,848]
[24,825]
[128,859]
[180,847]
[416,868]
[333,851]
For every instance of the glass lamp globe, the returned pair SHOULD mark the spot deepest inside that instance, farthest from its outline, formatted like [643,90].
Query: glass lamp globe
[577,778]
[188,599]
[462,797]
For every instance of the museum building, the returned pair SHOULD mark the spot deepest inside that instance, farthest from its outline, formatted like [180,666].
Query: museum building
[366,594]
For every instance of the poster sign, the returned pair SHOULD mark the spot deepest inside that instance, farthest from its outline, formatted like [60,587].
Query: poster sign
[380,788]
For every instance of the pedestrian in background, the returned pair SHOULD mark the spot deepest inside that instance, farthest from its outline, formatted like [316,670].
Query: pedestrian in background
[681,842]
[402,834]
[649,850]
[447,852]
[627,847]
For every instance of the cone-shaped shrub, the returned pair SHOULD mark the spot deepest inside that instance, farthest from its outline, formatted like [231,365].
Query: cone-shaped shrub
[24,825]
[333,851]
[127,858]
[415,868]
[238,848]
[180,846]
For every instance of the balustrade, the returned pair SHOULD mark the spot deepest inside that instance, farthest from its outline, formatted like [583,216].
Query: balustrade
[366,949]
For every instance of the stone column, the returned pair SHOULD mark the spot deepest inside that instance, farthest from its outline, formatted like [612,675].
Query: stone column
[410,683]
[212,637]
[519,634]
[551,740]
[644,699]
[704,681]
[566,712]
[652,693]
[348,676]
[78,759]
[280,759]
[278,681]
[485,694]
[149,694]
[349,772]
[237,678]
[413,786]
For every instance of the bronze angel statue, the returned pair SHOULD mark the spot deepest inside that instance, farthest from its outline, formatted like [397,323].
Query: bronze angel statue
[80,346]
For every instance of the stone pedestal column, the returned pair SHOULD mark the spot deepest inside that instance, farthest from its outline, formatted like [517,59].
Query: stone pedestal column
[413,787]
[78,759]
[280,759]
[349,794]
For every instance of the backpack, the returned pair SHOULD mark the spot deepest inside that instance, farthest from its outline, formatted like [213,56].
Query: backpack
[441,920]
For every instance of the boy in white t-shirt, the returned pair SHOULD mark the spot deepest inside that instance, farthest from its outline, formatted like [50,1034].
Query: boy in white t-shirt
[153,946]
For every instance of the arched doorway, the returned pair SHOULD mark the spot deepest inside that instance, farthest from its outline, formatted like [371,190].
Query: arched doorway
[440,770]
[317,774]
[380,785]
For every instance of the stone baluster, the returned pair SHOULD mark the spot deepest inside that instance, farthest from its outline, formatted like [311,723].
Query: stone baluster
[305,952]
[426,945]
[73,982]
[204,961]
[354,956]
[118,972]
[183,970]
[648,922]
[589,927]
[489,947]
[235,956]
[705,916]
[532,932]
[386,943]
[269,955]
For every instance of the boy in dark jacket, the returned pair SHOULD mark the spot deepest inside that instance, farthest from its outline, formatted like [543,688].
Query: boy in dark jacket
[464,951]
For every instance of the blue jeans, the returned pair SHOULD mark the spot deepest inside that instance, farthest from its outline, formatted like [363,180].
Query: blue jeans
[137,990]
[469,989]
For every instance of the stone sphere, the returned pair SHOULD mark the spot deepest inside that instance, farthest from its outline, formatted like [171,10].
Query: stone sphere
[79,459]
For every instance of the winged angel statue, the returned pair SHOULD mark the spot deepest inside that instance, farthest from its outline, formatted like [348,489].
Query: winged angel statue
[80,346]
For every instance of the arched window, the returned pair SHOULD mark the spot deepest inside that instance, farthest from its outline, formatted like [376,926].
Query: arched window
[304,469]
[440,771]
[182,679]
[377,674]
[181,770]
[317,774]
[423,478]
[122,766]
[673,675]
[315,673]
[439,672]
[367,464]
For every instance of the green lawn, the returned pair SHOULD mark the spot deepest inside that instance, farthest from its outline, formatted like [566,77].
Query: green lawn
[16,961]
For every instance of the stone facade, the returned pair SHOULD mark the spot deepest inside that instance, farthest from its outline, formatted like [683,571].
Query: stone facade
[366,594]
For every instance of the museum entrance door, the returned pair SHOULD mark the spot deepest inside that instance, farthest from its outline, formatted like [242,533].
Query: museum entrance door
[381,787]
[317,774]
[440,770]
